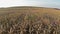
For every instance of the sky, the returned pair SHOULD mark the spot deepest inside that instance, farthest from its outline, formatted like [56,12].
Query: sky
[39,3]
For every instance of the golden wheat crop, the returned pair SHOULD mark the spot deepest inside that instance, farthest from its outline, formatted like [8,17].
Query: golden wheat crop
[30,21]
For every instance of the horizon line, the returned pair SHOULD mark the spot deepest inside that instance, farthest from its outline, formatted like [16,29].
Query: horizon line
[28,6]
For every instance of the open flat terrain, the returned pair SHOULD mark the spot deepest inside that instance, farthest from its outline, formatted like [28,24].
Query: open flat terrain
[29,20]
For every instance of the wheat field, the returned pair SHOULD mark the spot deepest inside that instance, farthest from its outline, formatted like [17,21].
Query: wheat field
[29,20]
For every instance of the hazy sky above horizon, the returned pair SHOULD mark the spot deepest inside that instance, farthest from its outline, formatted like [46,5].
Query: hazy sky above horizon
[41,3]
